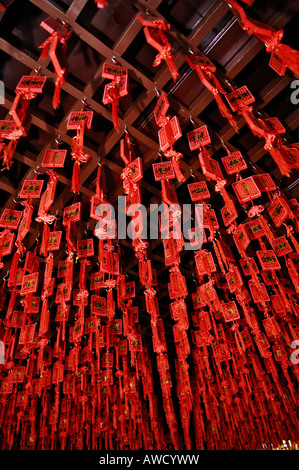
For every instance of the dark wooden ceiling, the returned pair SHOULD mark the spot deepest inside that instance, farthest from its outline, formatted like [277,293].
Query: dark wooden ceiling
[98,36]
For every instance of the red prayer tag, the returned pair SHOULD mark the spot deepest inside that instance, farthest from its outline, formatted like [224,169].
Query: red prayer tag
[113,71]
[110,263]
[76,117]
[107,360]
[163,171]
[197,60]
[63,291]
[61,269]
[97,280]
[54,158]
[31,262]
[31,84]
[17,319]
[246,268]
[134,170]
[201,264]
[230,311]
[6,243]
[234,163]
[78,330]
[209,219]
[264,182]
[8,128]
[91,325]
[29,284]
[98,305]
[54,240]
[241,238]
[275,125]
[27,334]
[31,189]
[10,218]
[169,134]
[51,25]
[268,260]
[281,246]
[277,64]
[278,303]
[129,290]
[161,108]
[20,276]
[255,229]
[198,137]
[268,278]
[85,248]
[234,280]
[291,155]
[229,214]
[34,305]
[62,314]
[210,167]
[117,326]
[198,301]
[278,210]
[198,191]
[72,213]
[47,199]
[258,292]
[135,344]
[239,98]
[246,189]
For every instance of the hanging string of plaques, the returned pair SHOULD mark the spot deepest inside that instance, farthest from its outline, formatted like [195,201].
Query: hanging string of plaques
[282,56]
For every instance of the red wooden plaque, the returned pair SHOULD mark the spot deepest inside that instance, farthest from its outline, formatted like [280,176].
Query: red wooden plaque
[161,108]
[246,189]
[76,117]
[163,171]
[234,163]
[31,189]
[29,284]
[198,137]
[10,218]
[31,84]
[54,158]
[268,260]
[239,98]
[54,240]
[72,213]
[169,134]
[199,191]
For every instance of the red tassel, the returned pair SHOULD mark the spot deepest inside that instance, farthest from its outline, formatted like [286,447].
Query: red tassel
[56,97]
[45,48]
[284,168]
[75,178]
[8,153]
[177,169]
[44,244]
